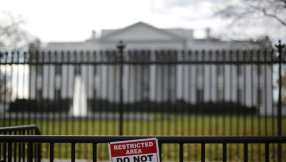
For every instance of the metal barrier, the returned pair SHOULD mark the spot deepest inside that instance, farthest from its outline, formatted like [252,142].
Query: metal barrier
[228,93]
[211,83]
[181,140]
[21,130]
[158,90]
[19,149]
[235,84]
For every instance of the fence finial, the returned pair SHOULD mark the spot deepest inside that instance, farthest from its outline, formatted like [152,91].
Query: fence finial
[280,46]
[279,111]
[121,46]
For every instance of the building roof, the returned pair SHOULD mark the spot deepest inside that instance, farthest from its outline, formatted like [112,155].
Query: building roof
[142,35]
[107,34]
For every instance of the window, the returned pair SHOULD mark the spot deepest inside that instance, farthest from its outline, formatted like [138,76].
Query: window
[238,70]
[77,70]
[239,96]
[94,93]
[199,95]
[170,71]
[58,70]
[39,94]
[145,81]
[57,94]
[40,69]
[146,70]
[219,69]
[94,70]
[219,95]
[145,90]
[259,70]
[199,69]
[259,97]
[170,92]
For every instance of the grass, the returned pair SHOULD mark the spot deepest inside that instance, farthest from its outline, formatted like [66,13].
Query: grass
[193,125]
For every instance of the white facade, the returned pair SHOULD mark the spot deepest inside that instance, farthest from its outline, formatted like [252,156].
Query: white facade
[190,82]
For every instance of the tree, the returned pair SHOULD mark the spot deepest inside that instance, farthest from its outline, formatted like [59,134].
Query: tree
[12,36]
[264,42]
[4,90]
[264,14]
[255,10]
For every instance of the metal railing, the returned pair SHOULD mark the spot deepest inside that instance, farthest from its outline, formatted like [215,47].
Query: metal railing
[19,149]
[237,87]
[20,130]
[181,140]
[143,92]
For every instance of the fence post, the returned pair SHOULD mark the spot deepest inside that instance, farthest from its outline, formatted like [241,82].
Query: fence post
[279,111]
[120,48]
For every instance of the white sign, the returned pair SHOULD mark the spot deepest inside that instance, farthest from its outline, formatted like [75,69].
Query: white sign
[145,150]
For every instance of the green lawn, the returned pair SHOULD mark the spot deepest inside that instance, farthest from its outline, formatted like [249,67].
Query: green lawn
[164,125]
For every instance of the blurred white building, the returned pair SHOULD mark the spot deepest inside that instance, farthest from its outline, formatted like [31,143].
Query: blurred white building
[250,84]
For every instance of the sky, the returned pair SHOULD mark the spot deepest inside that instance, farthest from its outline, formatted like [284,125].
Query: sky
[70,20]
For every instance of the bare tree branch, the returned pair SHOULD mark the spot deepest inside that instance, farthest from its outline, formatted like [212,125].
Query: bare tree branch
[273,9]
[12,36]
[275,17]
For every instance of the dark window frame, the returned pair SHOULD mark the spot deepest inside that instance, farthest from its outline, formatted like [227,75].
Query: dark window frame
[220,95]
[239,96]
[239,70]
[259,96]
[77,70]
[39,69]
[199,95]
[94,70]
[39,94]
[58,70]
[58,94]
[219,69]
[199,70]
[259,70]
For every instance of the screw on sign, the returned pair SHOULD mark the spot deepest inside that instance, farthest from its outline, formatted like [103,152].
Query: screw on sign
[143,150]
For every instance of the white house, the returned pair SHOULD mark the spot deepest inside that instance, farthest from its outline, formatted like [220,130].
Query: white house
[250,84]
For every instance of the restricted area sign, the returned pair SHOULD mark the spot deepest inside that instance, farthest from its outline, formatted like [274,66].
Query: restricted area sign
[145,150]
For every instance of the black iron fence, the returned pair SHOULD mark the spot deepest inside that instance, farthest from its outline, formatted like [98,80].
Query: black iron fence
[144,92]
[19,150]
[20,130]
[181,141]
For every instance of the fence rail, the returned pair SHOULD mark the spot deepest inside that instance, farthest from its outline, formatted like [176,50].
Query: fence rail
[143,92]
[24,130]
[142,57]
[20,130]
[181,140]
[236,86]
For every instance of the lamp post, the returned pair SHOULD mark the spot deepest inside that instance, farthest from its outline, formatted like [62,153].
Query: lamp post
[120,48]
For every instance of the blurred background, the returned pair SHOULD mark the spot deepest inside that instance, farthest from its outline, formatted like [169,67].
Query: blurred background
[185,67]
